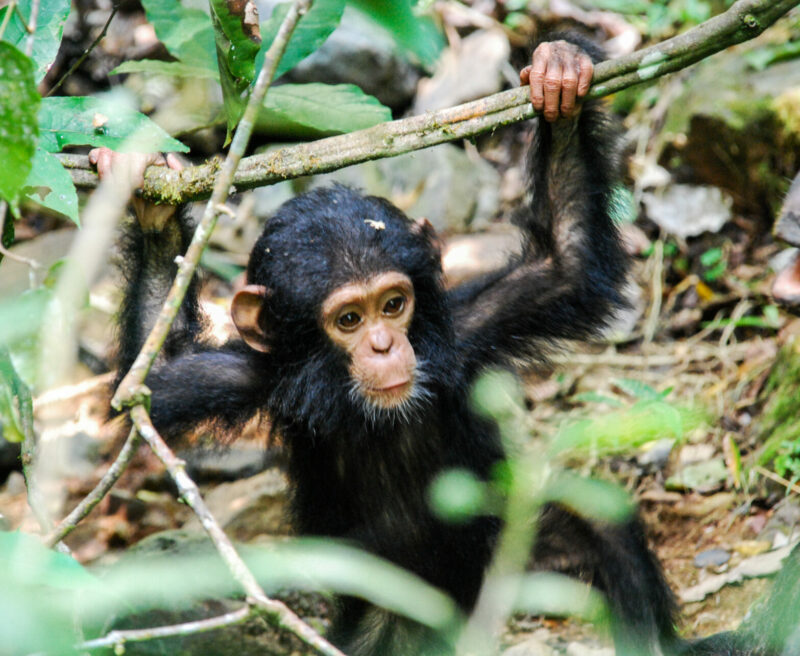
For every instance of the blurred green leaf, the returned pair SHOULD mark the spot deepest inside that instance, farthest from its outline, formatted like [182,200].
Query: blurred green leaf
[497,394]
[16,405]
[548,593]
[306,109]
[83,120]
[711,257]
[49,184]
[25,559]
[22,315]
[457,495]
[639,390]
[310,33]
[19,104]
[157,67]
[416,34]
[591,498]
[186,33]
[50,19]
[624,429]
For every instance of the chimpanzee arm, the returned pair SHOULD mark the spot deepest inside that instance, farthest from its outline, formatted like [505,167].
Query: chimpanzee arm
[566,283]
[192,381]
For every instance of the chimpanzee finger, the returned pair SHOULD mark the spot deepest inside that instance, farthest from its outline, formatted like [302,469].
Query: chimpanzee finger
[569,88]
[536,75]
[552,89]
[585,75]
[525,75]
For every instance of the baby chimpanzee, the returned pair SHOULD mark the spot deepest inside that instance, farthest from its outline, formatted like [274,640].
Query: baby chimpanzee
[364,364]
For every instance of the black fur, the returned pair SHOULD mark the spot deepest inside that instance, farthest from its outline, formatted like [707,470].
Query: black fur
[362,474]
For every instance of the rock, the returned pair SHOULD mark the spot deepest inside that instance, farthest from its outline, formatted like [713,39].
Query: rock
[361,52]
[703,477]
[533,646]
[656,454]
[444,185]
[788,224]
[250,507]
[711,558]
[688,210]
[579,649]
[470,70]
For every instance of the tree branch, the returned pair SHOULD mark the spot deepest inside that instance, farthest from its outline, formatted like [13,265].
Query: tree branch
[745,20]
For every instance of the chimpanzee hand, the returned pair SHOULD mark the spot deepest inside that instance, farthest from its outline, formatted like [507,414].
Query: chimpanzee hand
[151,217]
[559,72]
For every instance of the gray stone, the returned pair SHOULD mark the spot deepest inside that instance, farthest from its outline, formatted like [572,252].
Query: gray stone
[688,210]
[472,69]
[711,558]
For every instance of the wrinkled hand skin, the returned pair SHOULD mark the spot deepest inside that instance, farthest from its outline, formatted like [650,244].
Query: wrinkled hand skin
[152,217]
[560,73]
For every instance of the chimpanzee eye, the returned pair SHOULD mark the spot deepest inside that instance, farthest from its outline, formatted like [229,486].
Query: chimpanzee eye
[394,305]
[349,320]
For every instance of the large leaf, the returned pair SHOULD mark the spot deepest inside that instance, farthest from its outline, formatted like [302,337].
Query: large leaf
[237,37]
[186,33]
[16,405]
[158,67]
[19,103]
[416,34]
[307,110]
[310,33]
[50,184]
[83,120]
[52,14]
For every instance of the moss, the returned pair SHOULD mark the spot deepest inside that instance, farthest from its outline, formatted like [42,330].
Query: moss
[781,416]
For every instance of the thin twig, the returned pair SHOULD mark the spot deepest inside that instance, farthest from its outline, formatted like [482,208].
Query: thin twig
[276,612]
[118,639]
[654,313]
[87,504]
[69,392]
[30,26]
[85,54]
[778,479]
[744,20]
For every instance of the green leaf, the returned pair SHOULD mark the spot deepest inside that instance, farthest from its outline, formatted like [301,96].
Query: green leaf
[49,184]
[319,109]
[52,15]
[417,35]
[237,48]
[711,257]
[310,33]
[22,315]
[19,103]
[28,561]
[638,390]
[16,405]
[590,498]
[457,495]
[186,33]
[174,68]
[67,121]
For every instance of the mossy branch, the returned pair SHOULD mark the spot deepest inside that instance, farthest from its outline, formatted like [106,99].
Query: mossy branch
[745,20]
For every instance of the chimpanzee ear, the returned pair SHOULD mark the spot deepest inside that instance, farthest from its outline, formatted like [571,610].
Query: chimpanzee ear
[423,228]
[246,312]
